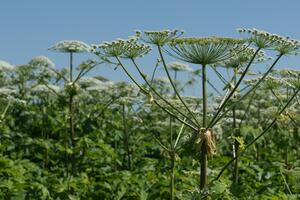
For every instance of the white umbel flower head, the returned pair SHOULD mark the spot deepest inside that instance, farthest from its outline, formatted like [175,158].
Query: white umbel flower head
[178,66]
[265,40]
[159,38]
[129,48]
[70,46]
[42,61]
[5,66]
[46,89]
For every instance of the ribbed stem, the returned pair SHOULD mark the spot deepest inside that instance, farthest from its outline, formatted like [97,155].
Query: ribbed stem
[203,155]
[172,175]
[71,111]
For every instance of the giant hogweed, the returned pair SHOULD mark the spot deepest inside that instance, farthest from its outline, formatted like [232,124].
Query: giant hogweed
[208,51]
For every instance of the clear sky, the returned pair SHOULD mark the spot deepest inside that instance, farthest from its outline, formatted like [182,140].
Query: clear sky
[29,27]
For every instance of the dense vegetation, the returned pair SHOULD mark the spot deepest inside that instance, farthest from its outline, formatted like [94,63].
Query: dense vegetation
[67,133]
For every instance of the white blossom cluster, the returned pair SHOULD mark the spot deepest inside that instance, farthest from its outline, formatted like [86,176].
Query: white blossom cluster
[129,48]
[159,38]
[290,77]
[270,82]
[178,66]
[86,82]
[287,73]
[5,66]
[244,56]
[6,91]
[42,61]
[266,40]
[45,89]
[70,46]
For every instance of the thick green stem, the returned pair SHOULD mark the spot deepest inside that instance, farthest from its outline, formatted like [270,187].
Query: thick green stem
[204,148]
[204,96]
[71,111]
[172,175]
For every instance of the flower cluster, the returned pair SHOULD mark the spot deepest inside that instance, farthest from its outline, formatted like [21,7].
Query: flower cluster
[272,82]
[5,66]
[209,50]
[70,46]
[287,73]
[41,61]
[159,38]
[244,56]
[177,66]
[129,48]
[288,77]
[45,89]
[265,40]
[86,82]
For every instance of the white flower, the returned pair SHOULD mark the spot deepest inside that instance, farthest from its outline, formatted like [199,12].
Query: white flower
[7,91]
[160,38]
[5,66]
[46,89]
[129,48]
[89,82]
[178,66]
[263,39]
[71,46]
[42,61]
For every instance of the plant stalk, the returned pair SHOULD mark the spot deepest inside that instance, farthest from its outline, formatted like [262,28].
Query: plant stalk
[204,148]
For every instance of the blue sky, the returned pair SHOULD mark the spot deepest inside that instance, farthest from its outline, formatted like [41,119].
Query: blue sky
[29,27]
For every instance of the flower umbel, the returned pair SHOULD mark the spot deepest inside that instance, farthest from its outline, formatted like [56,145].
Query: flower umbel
[159,38]
[42,61]
[70,46]
[177,66]
[5,66]
[209,50]
[241,57]
[266,40]
[129,48]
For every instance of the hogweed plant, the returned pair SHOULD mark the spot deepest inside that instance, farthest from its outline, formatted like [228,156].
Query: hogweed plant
[72,47]
[238,54]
